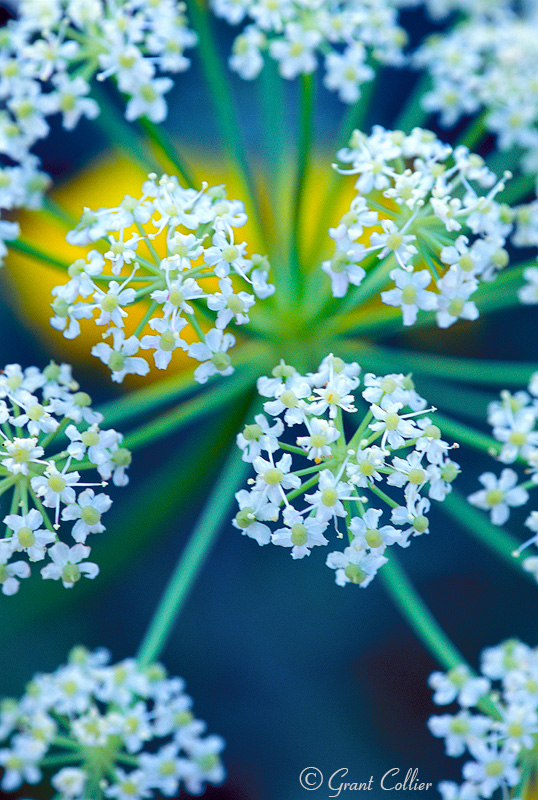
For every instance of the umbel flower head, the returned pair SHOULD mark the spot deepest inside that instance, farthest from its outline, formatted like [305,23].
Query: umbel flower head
[49,435]
[347,34]
[514,420]
[496,725]
[488,63]
[175,249]
[50,54]
[426,216]
[119,731]
[339,489]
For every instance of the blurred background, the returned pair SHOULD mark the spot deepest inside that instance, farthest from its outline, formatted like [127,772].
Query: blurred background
[291,669]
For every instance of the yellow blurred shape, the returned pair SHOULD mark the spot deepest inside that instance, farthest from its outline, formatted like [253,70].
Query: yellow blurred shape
[104,183]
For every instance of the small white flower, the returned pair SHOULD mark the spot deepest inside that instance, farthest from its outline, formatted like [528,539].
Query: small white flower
[68,565]
[499,495]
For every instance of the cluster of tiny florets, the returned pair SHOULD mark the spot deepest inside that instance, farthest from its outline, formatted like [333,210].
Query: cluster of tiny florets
[347,35]
[488,63]
[501,742]
[172,253]
[340,486]
[421,218]
[51,53]
[49,437]
[514,419]
[117,731]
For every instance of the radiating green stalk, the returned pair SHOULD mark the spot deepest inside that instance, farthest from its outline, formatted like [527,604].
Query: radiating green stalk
[143,322]
[424,624]
[382,496]
[477,524]
[221,96]
[20,246]
[120,133]
[384,321]
[518,189]
[193,557]
[472,370]
[461,400]
[413,114]
[156,395]
[464,435]
[353,119]
[376,280]
[297,196]
[272,111]
[474,132]
[168,488]
[165,149]
[418,615]
[178,417]
[52,207]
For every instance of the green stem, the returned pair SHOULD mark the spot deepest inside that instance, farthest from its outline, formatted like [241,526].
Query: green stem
[353,119]
[40,255]
[142,324]
[163,146]
[52,207]
[475,131]
[413,114]
[480,371]
[120,133]
[175,419]
[192,558]
[53,434]
[518,189]
[58,759]
[464,435]
[356,438]
[221,96]
[381,494]
[494,537]
[304,488]
[248,358]
[424,624]
[196,326]
[303,164]
[40,507]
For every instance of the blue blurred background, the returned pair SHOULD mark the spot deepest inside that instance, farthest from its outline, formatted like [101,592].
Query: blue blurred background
[292,670]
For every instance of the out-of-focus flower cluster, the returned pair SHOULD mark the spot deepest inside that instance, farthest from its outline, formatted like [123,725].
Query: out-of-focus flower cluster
[49,56]
[501,743]
[419,203]
[117,731]
[526,235]
[440,9]
[488,63]
[514,421]
[347,34]
[190,281]
[395,446]
[41,484]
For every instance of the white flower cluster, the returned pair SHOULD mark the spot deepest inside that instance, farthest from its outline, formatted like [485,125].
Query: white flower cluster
[440,9]
[38,409]
[95,720]
[502,745]
[395,446]
[514,421]
[50,54]
[173,248]
[489,62]
[419,203]
[348,34]
[526,235]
